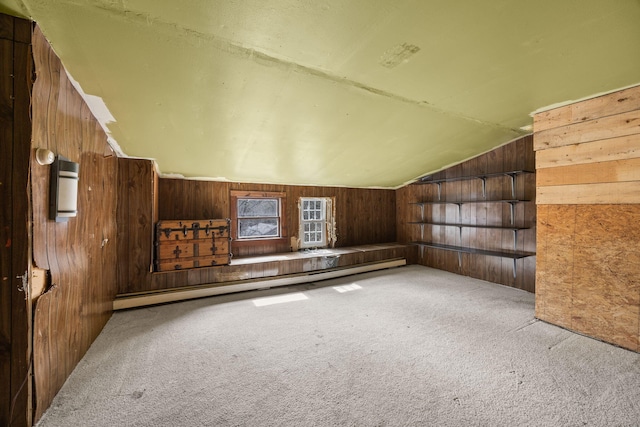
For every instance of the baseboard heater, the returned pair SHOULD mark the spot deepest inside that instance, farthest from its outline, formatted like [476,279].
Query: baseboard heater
[181,294]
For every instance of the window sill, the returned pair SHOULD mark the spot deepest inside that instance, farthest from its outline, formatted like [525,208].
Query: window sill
[259,242]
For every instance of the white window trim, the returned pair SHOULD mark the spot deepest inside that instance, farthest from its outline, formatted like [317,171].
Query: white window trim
[277,218]
[323,223]
[241,194]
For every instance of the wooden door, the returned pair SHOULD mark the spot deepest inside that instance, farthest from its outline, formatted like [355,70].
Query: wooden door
[15,139]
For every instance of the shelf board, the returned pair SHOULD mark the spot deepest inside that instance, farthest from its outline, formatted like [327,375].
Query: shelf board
[480,176]
[463,202]
[460,249]
[496,227]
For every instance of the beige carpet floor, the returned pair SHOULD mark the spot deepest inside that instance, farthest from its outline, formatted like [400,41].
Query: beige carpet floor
[411,346]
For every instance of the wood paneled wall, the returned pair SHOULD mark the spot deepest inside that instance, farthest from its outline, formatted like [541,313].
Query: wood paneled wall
[80,254]
[588,263]
[16,67]
[363,216]
[137,215]
[517,155]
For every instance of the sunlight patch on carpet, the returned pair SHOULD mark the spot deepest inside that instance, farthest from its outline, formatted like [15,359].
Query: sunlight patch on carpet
[299,296]
[347,288]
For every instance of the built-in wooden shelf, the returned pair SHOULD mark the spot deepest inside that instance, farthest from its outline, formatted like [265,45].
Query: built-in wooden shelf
[426,180]
[503,253]
[461,226]
[512,204]
[481,211]
[483,177]
[444,224]
[463,202]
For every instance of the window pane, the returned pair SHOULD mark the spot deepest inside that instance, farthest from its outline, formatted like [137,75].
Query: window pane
[305,215]
[313,233]
[255,228]
[253,208]
[318,204]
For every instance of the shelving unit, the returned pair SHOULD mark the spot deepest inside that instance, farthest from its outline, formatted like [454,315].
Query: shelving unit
[513,254]
[512,204]
[461,226]
[483,177]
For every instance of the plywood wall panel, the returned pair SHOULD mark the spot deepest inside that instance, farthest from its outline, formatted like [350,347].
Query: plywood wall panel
[588,195]
[80,254]
[552,270]
[614,226]
[603,306]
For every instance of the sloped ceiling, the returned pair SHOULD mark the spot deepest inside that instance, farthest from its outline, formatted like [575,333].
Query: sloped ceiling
[359,93]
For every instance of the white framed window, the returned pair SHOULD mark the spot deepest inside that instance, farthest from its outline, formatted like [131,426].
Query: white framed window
[258,218]
[313,222]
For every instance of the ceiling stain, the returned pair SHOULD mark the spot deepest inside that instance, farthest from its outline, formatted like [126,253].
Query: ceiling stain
[399,54]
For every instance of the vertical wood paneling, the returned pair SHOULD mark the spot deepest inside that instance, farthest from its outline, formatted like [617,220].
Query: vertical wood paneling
[589,217]
[141,209]
[123,225]
[363,216]
[517,155]
[406,232]
[136,186]
[80,254]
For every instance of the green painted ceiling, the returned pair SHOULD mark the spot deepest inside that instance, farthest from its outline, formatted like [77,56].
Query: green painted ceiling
[358,93]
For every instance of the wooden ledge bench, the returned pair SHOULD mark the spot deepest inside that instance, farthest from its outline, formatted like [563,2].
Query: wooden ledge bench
[265,271]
